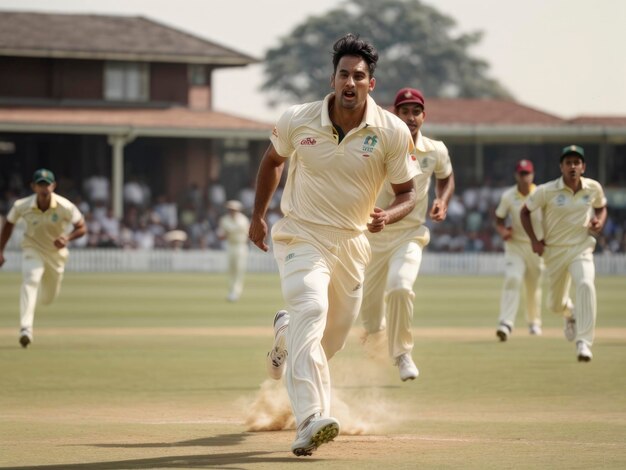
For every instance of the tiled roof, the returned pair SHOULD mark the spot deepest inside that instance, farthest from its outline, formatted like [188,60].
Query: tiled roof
[176,121]
[107,37]
[600,120]
[486,112]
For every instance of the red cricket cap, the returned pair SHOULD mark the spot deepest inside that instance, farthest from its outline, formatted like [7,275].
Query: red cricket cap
[409,95]
[524,165]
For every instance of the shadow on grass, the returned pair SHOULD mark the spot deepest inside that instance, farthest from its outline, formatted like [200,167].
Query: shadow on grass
[226,460]
[223,460]
[221,440]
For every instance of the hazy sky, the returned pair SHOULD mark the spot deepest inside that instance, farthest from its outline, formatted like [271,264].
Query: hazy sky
[565,57]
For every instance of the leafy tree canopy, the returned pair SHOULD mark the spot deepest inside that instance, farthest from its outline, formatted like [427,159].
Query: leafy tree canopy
[416,47]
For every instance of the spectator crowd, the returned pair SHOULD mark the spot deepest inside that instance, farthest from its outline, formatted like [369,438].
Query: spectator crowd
[191,221]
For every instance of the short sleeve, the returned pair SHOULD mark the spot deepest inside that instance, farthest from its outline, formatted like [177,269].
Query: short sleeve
[400,166]
[503,207]
[537,199]
[13,215]
[280,134]
[443,166]
[75,215]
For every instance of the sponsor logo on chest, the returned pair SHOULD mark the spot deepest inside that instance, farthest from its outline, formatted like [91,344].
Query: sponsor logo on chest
[369,144]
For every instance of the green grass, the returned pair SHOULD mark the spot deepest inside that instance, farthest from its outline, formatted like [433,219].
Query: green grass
[157,371]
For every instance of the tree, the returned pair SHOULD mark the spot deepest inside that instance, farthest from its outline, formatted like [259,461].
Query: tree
[415,44]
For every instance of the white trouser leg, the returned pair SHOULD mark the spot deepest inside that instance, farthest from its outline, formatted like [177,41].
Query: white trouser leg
[583,272]
[373,305]
[532,281]
[237,263]
[404,266]
[510,297]
[32,272]
[50,285]
[322,275]
[559,281]
[305,283]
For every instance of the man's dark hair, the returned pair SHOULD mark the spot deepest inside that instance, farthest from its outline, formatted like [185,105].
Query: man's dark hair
[350,44]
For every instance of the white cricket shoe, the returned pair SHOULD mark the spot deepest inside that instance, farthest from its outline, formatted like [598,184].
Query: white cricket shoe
[583,352]
[503,331]
[534,330]
[408,369]
[569,328]
[277,357]
[314,432]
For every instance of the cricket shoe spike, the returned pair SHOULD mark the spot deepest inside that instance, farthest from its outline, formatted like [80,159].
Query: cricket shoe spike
[314,432]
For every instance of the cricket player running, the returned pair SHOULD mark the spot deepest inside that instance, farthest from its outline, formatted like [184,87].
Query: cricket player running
[48,217]
[574,210]
[522,267]
[397,252]
[233,227]
[340,151]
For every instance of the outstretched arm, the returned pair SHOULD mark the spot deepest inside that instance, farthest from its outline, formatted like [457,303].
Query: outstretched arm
[268,177]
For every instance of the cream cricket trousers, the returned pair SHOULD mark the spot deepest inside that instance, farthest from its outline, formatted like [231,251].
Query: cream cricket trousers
[321,271]
[522,267]
[388,289]
[237,263]
[565,265]
[41,283]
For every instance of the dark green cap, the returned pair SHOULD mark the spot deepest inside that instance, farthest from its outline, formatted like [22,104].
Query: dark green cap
[573,150]
[43,175]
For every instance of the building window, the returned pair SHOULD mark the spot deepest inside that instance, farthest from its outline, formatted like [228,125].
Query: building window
[197,74]
[126,81]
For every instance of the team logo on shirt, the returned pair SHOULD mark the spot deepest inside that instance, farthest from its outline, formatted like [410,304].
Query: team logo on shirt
[308,141]
[560,200]
[586,198]
[369,143]
[290,256]
[55,217]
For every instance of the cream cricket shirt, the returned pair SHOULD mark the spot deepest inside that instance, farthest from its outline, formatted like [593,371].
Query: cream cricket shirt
[566,215]
[235,228]
[335,183]
[42,228]
[429,157]
[511,203]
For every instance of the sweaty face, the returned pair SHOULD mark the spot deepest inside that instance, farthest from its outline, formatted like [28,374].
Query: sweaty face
[572,167]
[352,82]
[413,116]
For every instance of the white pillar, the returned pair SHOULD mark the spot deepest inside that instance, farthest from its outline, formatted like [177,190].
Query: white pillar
[118,142]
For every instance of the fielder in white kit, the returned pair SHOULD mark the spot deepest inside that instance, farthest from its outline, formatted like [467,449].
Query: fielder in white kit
[48,218]
[397,251]
[574,210]
[340,151]
[522,266]
[233,227]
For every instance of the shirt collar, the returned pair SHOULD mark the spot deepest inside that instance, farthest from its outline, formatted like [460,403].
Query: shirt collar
[560,184]
[369,118]
[53,202]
